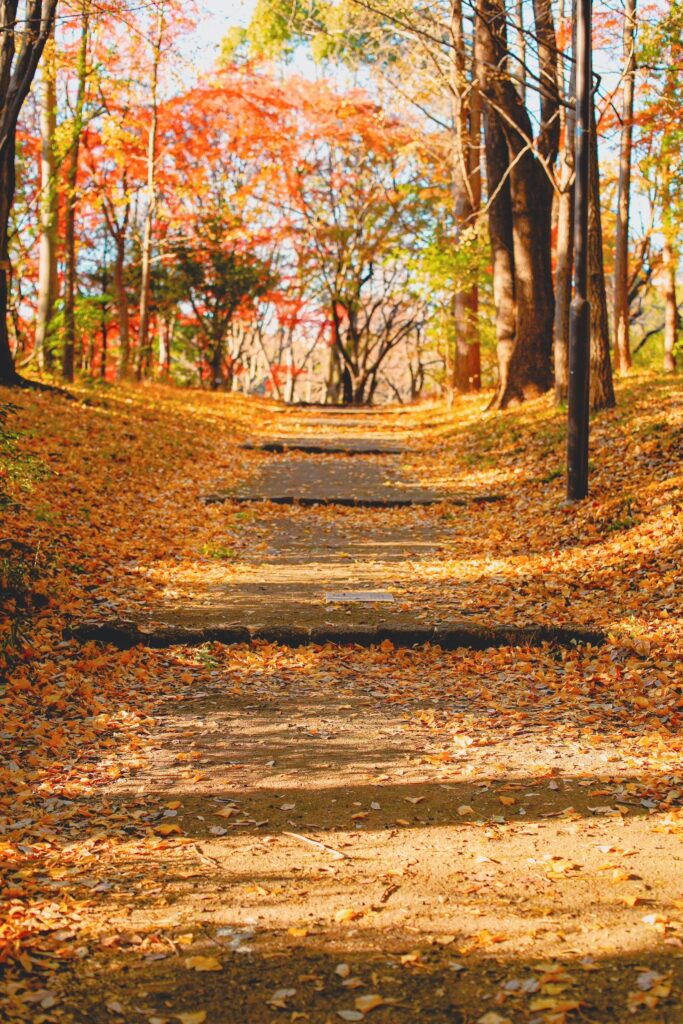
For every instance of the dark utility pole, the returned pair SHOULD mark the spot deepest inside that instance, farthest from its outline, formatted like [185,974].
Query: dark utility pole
[579,323]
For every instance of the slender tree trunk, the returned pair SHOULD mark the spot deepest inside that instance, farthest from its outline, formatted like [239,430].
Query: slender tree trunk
[520,70]
[499,219]
[47,272]
[564,263]
[670,307]
[622,347]
[216,364]
[474,168]
[332,375]
[466,176]
[289,387]
[21,46]
[166,328]
[69,351]
[8,374]
[122,309]
[347,386]
[563,288]
[601,385]
[144,342]
[169,346]
[104,312]
[105,345]
[500,233]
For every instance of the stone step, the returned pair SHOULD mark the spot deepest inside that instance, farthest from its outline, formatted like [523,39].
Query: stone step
[448,636]
[352,446]
[345,501]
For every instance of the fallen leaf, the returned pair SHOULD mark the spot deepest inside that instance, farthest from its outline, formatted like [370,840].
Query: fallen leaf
[203,963]
[348,914]
[280,996]
[168,830]
[368,1002]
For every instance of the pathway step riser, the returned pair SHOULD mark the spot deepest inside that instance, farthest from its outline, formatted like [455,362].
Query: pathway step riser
[278,448]
[125,635]
[290,499]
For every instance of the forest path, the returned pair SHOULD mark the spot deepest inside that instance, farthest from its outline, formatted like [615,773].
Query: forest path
[324,833]
[322,573]
[340,530]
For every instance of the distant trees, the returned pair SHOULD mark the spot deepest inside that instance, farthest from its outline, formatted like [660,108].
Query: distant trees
[268,231]
[660,162]
[219,280]
[353,206]
[495,81]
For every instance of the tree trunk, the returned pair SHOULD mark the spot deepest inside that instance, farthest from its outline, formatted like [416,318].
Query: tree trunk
[68,354]
[122,308]
[622,348]
[563,288]
[474,169]
[499,221]
[47,273]
[564,252]
[601,385]
[466,375]
[466,183]
[527,371]
[347,386]
[500,233]
[8,374]
[216,364]
[20,52]
[105,344]
[166,328]
[670,307]
[144,341]
[332,375]
[520,70]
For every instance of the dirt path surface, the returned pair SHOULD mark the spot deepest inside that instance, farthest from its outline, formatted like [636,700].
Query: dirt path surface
[257,833]
[346,841]
[323,575]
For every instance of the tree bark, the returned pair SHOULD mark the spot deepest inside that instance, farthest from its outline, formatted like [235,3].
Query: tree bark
[622,347]
[332,375]
[499,217]
[563,287]
[671,319]
[466,183]
[520,70]
[69,350]
[20,53]
[500,234]
[49,198]
[144,340]
[122,308]
[166,329]
[601,384]
[564,252]
[527,371]
[8,374]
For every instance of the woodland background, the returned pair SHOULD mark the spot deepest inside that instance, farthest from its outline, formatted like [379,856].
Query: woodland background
[359,201]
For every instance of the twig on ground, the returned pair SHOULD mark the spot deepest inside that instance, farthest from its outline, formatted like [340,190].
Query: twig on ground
[204,857]
[320,846]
